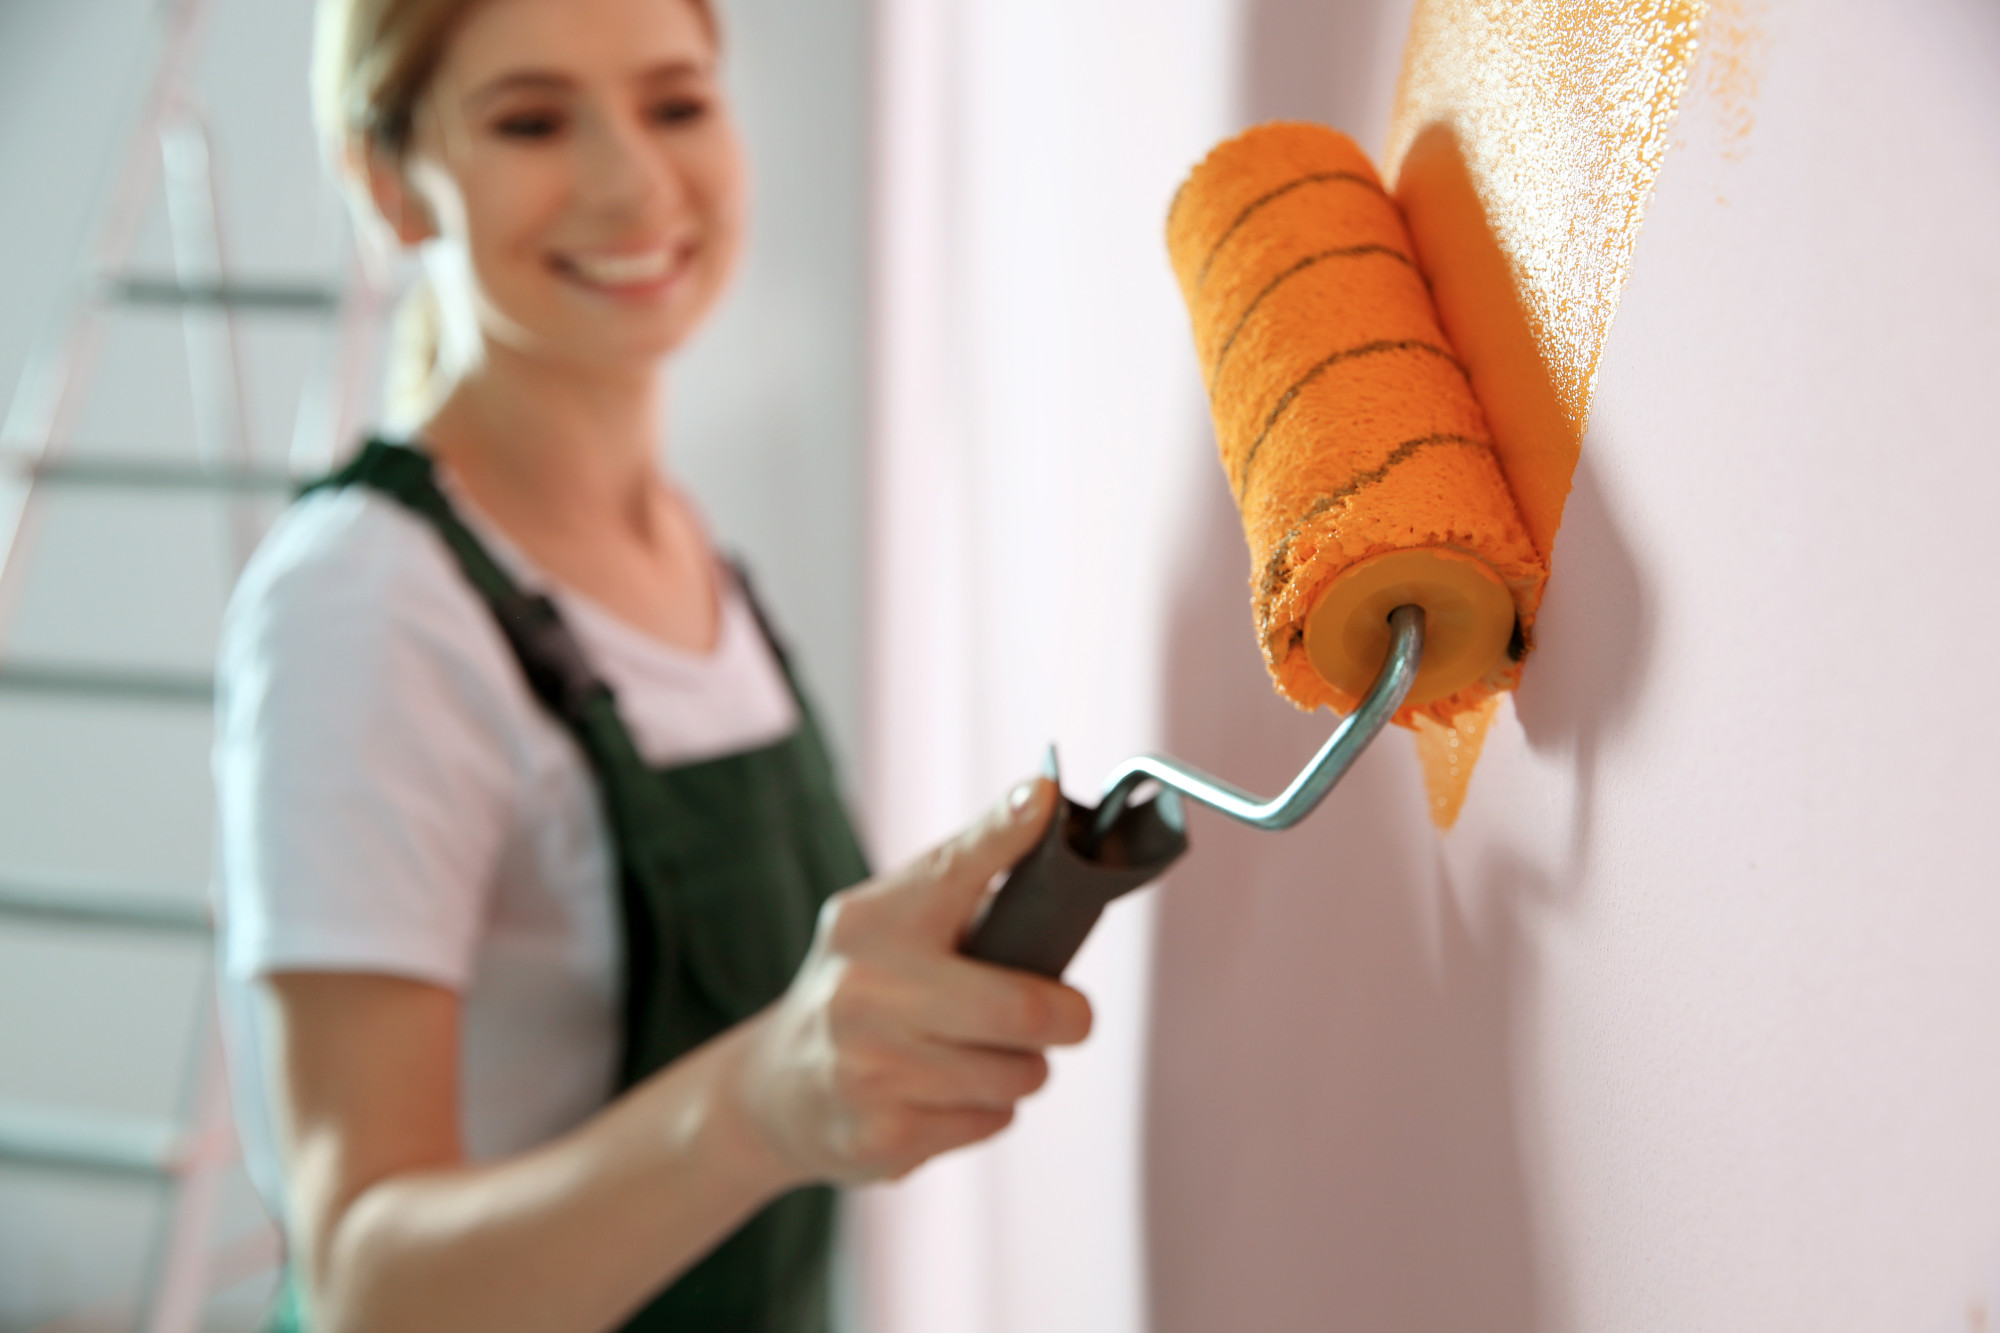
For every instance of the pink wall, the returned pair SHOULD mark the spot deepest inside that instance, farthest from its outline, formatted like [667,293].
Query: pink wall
[1037,432]
[1694,1020]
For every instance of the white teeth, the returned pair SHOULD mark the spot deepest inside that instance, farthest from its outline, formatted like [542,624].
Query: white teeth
[621,270]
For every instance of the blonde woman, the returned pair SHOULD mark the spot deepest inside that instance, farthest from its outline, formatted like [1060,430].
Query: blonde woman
[557,995]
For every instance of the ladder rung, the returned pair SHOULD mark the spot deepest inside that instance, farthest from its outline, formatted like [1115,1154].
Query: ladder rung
[87,1141]
[277,298]
[147,474]
[100,910]
[169,687]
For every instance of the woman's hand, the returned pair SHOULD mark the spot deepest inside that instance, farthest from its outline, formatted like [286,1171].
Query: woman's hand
[888,1049]
[891,1047]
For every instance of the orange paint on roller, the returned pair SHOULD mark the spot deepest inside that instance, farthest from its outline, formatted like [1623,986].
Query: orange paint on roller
[1373,456]
[1348,429]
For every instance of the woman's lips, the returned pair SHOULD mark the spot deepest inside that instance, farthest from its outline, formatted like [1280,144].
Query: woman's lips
[627,273]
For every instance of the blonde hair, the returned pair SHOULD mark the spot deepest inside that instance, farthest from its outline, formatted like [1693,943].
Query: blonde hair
[372,62]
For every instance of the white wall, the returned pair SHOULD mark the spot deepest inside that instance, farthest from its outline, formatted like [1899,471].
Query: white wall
[767,427]
[1692,1023]
[1038,423]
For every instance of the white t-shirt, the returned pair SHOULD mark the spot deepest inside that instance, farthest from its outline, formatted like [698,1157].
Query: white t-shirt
[393,799]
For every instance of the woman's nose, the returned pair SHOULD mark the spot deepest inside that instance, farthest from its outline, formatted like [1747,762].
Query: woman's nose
[624,173]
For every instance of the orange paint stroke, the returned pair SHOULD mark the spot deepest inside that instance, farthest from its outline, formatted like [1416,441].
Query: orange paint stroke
[1558,113]
[1523,149]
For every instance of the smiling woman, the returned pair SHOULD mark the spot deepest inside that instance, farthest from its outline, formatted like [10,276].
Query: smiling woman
[557,996]
[373,60]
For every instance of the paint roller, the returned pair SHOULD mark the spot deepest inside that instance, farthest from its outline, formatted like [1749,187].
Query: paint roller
[1391,573]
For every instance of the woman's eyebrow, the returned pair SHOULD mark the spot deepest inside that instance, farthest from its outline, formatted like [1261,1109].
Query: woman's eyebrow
[552,81]
[517,81]
[669,71]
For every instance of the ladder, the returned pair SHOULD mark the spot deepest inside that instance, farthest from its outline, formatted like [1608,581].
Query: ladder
[167,160]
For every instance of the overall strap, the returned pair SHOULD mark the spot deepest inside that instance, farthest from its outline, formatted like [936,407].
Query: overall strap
[556,669]
[756,605]
[723,865]
[780,650]
[560,677]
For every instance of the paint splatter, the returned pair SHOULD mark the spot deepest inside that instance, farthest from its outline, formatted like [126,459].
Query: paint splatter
[1524,146]
[1730,69]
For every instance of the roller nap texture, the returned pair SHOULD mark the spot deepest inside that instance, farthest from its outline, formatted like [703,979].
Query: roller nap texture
[1348,430]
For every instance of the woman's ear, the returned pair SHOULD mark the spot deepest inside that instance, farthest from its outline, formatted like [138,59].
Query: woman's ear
[396,199]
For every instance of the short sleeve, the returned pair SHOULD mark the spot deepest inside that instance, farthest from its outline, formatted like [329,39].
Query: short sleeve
[364,780]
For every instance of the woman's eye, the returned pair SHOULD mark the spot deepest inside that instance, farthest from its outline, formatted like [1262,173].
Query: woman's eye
[679,111]
[529,125]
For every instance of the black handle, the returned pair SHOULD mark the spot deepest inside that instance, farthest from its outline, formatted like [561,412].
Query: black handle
[1053,896]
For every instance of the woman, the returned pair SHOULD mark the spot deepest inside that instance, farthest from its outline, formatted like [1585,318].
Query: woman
[555,1000]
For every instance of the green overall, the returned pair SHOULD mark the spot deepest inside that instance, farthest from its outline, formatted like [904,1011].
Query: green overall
[723,866]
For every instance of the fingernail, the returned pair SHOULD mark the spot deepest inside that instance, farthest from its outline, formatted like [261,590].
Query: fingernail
[1017,799]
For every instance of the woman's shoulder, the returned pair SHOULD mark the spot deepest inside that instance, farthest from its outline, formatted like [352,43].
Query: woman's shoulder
[369,750]
[348,571]
[347,542]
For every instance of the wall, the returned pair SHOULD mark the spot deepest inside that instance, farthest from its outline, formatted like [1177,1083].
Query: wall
[1037,425]
[1690,1022]
[766,426]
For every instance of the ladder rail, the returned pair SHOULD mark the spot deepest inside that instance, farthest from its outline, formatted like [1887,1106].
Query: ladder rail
[89,907]
[112,472]
[49,396]
[167,156]
[211,334]
[111,684]
[315,451]
[277,298]
[179,1283]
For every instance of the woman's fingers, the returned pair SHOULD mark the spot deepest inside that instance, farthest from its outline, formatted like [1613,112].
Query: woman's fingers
[962,1000]
[903,933]
[937,1077]
[940,1131]
[893,1149]
[938,894]
[947,997]
[890,1046]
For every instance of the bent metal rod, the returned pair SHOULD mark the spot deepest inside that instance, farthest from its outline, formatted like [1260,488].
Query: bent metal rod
[1309,788]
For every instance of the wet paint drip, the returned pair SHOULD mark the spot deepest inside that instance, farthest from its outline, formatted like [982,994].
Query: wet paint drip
[1448,754]
[1523,150]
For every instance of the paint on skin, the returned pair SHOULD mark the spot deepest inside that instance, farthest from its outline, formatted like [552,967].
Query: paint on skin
[1523,149]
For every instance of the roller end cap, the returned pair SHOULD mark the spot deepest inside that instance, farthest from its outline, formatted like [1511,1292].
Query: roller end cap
[1468,612]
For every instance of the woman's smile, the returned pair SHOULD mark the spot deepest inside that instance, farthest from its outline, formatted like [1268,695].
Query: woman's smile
[627,273]
[578,161]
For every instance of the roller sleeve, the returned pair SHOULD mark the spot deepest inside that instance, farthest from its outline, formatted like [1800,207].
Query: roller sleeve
[1348,430]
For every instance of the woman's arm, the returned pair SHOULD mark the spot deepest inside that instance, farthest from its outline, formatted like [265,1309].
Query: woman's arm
[394,1230]
[887,1049]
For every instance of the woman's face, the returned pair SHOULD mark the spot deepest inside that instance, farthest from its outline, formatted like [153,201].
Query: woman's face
[580,155]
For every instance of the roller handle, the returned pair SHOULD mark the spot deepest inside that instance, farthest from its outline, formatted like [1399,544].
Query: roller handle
[1043,911]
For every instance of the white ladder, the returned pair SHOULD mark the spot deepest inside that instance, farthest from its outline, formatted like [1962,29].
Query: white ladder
[166,158]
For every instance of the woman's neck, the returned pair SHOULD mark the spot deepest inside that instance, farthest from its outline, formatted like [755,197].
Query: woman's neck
[566,463]
[575,449]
